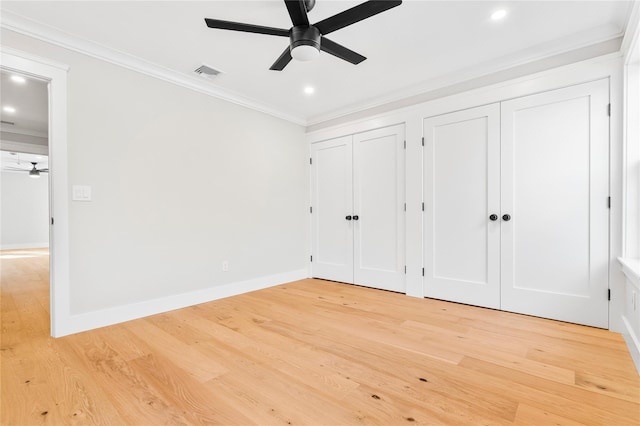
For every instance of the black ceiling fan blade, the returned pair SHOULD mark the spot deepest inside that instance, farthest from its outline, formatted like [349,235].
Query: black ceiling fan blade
[282,61]
[297,12]
[247,28]
[355,14]
[43,170]
[340,51]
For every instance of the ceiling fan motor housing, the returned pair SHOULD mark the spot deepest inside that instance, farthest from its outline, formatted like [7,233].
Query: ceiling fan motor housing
[306,40]
[302,35]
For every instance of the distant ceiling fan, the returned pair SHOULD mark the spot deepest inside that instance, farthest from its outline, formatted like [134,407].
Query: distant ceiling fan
[34,172]
[306,40]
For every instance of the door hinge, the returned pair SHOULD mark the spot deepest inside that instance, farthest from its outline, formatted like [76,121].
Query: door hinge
[405,207]
[609,202]
[423,141]
[312,258]
[52,221]
[423,272]
[609,294]
[405,144]
[310,209]
[423,206]
[609,110]
[310,160]
[405,269]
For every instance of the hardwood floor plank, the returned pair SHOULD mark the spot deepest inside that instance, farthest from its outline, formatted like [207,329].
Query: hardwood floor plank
[531,416]
[133,396]
[563,400]
[199,405]
[190,360]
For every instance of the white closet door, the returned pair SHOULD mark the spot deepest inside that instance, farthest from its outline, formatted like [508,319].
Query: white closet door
[461,192]
[379,207]
[332,202]
[555,166]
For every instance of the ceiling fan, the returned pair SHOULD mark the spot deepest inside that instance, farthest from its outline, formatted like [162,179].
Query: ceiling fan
[307,40]
[34,172]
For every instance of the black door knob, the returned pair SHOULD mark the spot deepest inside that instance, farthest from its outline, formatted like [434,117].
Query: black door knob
[356,217]
[506,217]
[348,217]
[493,217]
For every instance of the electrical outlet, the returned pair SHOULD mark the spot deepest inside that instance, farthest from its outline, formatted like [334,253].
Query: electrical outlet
[225,266]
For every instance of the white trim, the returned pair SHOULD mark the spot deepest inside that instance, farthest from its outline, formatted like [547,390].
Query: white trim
[90,320]
[631,131]
[58,193]
[40,31]
[34,58]
[512,67]
[24,246]
[631,269]
[567,75]
[632,30]
[20,131]
[633,343]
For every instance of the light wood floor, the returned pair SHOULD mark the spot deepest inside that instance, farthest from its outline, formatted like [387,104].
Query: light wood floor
[309,352]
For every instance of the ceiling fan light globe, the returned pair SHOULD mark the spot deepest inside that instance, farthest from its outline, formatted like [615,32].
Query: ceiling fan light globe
[34,174]
[305,52]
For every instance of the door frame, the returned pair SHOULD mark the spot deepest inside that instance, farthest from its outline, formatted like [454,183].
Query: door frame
[56,75]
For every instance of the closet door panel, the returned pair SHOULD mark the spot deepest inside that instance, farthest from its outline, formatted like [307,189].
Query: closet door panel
[379,206]
[555,156]
[332,202]
[461,182]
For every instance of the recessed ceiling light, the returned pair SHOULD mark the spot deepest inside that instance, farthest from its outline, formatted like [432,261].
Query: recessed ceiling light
[9,109]
[309,90]
[498,14]
[18,79]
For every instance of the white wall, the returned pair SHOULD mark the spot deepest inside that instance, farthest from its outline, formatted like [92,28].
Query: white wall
[24,211]
[180,182]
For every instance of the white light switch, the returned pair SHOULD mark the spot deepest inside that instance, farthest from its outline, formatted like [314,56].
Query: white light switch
[81,193]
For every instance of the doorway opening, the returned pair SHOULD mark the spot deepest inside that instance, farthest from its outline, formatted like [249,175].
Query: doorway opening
[25,191]
[30,69]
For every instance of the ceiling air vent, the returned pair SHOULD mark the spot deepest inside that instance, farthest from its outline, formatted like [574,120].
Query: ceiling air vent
[207,72]
[10,123]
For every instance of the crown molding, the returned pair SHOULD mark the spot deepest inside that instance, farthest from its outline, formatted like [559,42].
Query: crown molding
[34,58]
[21,131]
[27,148]
[560,50]
[601,41]
[22,25]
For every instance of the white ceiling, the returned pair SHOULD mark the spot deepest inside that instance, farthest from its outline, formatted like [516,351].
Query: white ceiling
[409,48]
[30,100]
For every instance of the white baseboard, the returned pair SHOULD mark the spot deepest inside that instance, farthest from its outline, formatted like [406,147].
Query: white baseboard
[23,246]
[632,343]
[96,319]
